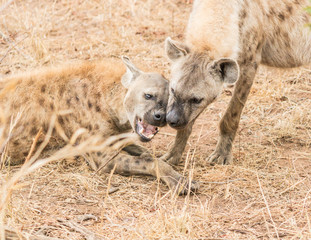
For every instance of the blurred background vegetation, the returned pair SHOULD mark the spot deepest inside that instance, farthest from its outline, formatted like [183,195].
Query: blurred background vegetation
[308,9]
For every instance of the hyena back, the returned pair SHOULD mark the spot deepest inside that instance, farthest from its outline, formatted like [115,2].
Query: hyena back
[226,40]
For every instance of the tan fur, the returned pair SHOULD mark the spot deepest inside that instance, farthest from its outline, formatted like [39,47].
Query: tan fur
[206,35]
[247,31]
[39,94]
[93,95]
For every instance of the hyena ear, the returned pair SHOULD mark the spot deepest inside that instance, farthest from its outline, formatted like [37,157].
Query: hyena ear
[174,49]
[228,69]
[132,72]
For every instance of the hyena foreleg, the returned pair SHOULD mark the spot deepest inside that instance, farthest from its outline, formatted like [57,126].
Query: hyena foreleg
[146,164]
[230,121]
[134,149]
[174,155]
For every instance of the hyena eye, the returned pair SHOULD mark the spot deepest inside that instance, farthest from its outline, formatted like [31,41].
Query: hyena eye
[148,96]
[196,100]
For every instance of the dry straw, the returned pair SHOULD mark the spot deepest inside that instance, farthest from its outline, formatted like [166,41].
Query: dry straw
[264,194]
[32,162]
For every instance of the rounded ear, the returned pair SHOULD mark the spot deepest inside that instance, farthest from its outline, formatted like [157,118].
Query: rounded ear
[228,69]
[132,72]
[174,49]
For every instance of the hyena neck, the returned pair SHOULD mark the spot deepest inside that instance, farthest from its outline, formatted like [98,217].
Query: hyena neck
[116,109]
[207,50]
[221,37]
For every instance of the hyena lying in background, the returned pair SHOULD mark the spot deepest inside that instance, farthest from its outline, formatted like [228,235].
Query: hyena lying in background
[102,98]
[226,40]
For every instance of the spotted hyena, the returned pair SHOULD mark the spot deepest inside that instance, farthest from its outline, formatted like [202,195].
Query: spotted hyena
[100,97]
[226,40]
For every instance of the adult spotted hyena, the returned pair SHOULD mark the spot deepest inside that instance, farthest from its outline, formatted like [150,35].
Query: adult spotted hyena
[101,97]
[226,40]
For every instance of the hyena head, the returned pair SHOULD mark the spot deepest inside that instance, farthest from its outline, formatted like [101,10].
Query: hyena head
[145,101]
[196,81]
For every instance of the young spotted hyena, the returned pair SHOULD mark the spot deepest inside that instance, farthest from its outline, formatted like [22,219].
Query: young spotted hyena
[226,40]
[100,97]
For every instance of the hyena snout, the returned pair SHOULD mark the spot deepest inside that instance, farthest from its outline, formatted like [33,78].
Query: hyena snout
[156,117]
[175,119]
[159,117]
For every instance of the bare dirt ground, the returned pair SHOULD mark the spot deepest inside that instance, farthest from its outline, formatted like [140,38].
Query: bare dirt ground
[265,193]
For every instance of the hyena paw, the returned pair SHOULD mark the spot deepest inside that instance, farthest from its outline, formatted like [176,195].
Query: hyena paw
[172,160]
[219,158]
[183,186]
[165,157]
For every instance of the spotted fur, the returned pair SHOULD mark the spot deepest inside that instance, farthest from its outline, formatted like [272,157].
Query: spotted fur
[248,32]
[100,97]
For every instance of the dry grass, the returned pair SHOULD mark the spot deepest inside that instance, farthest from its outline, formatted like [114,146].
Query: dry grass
[265,194]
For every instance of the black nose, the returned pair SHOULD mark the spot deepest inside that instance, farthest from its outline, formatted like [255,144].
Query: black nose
[172,119]
[158,116]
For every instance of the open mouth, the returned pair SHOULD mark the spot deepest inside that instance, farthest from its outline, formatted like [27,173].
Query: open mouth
[145,130]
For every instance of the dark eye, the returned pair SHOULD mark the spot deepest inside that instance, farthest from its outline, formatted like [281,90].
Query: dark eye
[172,90]
[196,100]
[148,96]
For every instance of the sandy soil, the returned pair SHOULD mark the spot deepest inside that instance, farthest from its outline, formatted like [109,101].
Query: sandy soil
[265,193]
